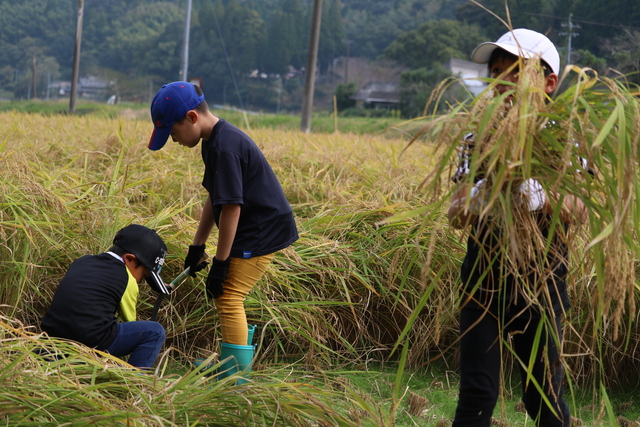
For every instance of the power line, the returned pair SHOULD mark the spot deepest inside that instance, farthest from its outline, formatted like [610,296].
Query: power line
[224,49]
[582,21]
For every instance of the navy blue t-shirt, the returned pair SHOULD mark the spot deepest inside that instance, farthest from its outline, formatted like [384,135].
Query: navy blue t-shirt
[236,172]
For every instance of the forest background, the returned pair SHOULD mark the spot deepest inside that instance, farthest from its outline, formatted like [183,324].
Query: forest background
[355,292]
[252,54]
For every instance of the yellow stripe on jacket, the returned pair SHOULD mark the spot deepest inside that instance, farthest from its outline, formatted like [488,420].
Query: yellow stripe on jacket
[127,309]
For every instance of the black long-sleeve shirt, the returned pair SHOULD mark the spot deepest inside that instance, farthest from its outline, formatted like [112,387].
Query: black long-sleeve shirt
[86,301]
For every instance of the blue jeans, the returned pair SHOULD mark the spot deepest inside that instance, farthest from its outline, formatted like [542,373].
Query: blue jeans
[142,340]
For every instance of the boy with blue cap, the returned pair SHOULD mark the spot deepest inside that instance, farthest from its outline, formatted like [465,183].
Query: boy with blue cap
[245,201]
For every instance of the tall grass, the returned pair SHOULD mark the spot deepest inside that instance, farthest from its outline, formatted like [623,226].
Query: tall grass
[596,118]
[71,183]
[373,278]
[49,382]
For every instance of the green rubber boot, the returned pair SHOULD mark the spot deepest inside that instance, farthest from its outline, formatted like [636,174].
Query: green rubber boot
[236,358]
[252,330]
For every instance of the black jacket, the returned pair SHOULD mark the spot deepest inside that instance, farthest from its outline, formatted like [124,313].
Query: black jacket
[86,301]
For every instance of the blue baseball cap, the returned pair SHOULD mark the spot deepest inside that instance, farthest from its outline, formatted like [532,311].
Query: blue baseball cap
[171,104]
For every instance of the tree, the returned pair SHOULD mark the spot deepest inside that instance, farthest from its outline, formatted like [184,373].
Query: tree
[433,43]
[533,14]
[369,35]
[136,35]
[603,21]
[244,35]
[371,25]
[332,34]
[46,67]
[417,86]
[584,58]
[142,39]
[344,94]
[207,52]
[36,26]
[625,51]
[286,38]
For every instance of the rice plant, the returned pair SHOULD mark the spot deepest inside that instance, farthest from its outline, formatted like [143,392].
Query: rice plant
[53,382]
[596,118]
[373,278]
[70,189]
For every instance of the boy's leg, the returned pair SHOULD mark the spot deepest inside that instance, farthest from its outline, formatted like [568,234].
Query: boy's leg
[479,368]
[242,277]
[142,340]
[547,365]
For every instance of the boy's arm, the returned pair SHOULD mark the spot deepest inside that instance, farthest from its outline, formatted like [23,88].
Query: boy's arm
[457,215]
[227,227]
[193,261]
[229,217]
[206,223]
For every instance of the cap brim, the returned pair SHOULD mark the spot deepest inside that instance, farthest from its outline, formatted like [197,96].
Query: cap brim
[159,137]
[157,284]
[482,53]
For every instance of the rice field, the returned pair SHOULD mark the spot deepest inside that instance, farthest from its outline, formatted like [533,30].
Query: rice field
[372,282]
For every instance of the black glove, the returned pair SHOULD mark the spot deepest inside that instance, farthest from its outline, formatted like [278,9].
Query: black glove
[216,277]
[195,254]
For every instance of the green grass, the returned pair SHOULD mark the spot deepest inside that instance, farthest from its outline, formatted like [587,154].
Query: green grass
[61,107]
[321,122]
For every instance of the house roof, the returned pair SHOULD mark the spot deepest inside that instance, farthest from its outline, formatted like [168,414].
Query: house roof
[379,92]
[379,96]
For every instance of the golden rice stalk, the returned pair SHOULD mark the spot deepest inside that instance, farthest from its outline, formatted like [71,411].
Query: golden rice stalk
[531,136]
[417,404]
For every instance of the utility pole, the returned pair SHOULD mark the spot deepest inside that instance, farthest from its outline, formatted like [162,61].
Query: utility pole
[185,46]
[569,33]
[279,91]
[309,82]
[346,65]
[76,58]
[33,77]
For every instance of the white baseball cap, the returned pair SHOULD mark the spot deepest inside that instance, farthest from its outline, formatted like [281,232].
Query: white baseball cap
[523,43]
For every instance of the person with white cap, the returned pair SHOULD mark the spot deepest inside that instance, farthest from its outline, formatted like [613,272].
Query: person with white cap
[95,302]
[493,307]
[523,43]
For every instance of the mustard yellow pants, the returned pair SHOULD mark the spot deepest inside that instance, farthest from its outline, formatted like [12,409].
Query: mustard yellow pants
[243,275]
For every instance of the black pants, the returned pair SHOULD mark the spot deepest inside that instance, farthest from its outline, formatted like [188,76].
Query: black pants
[481,345]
